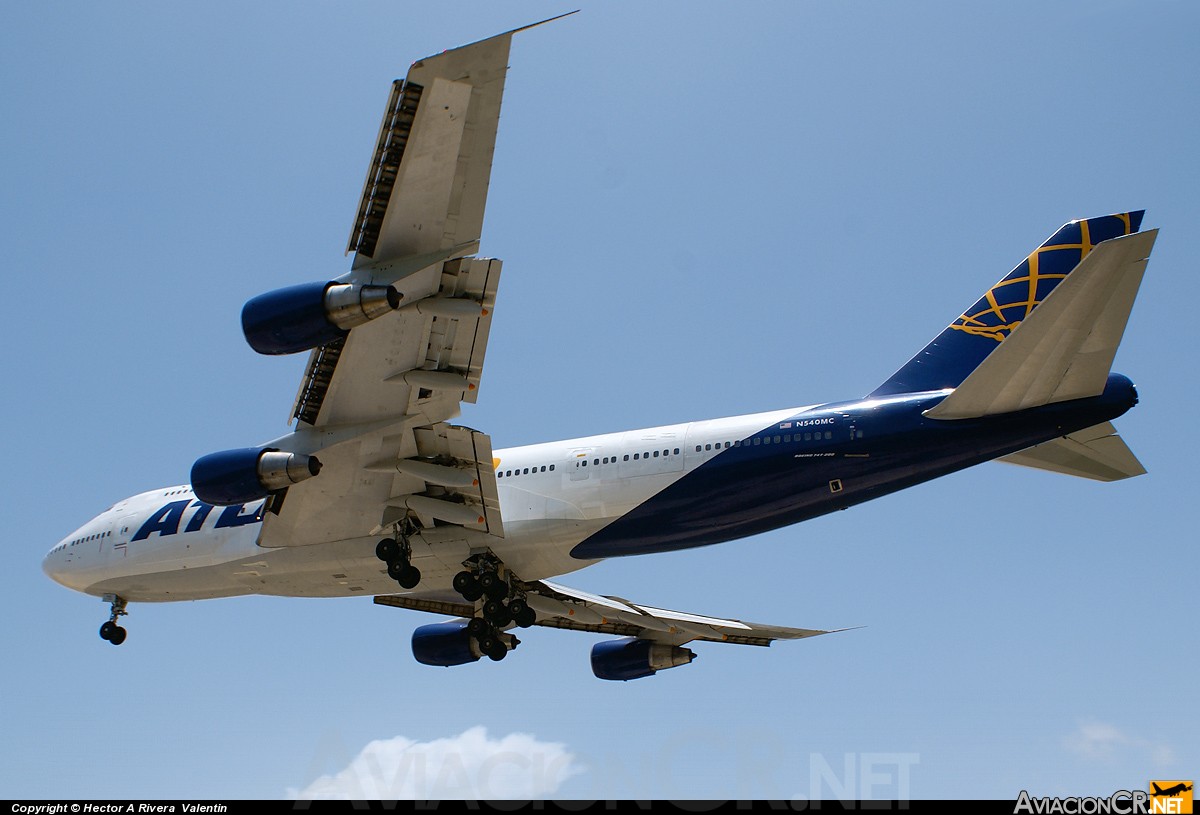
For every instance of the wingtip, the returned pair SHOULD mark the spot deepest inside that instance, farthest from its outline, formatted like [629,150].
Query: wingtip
[543,22]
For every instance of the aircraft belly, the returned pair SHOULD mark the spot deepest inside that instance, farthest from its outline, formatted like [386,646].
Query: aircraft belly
[750,489]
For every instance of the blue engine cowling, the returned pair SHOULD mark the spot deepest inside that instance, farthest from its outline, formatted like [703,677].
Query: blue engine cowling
[632,658]
[298,318]
[245,475]
[288,320]
[444,644]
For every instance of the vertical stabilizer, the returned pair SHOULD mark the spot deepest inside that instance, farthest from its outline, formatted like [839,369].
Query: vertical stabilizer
[967,342]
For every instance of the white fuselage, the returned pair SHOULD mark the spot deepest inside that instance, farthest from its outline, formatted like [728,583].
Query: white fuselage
[165,545]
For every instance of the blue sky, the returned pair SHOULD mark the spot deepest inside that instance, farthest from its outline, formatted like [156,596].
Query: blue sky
[703,212]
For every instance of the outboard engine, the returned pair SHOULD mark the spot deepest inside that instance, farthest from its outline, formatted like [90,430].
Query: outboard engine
[241,476]
[632,658]
[444,644]
[299,318]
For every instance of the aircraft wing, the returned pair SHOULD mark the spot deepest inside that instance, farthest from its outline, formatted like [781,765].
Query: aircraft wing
[558,606]
[374,405]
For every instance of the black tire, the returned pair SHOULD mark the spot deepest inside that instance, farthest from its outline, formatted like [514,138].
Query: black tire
[106,630]
[493,586]
[464,582]
[387,550]
[497,653]
[478,628]
[474,594]
[118,635]
[487,644]
[493,609]
[396,568]
[516,606]
[409,577]
[526,618]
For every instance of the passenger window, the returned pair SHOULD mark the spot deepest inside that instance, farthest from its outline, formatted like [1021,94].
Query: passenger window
[676,451]
[766,440]
[636,456]
[757,441]
[828,434]
[526,472]
[787,437]
[808,436]
[777,440]
[626,458]
[551,467]
[737,443]
[708,447]
[656,454]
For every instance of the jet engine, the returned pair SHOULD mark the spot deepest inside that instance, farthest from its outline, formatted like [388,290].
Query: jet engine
[299,318]
[632,658]
[444,644]
[242,476]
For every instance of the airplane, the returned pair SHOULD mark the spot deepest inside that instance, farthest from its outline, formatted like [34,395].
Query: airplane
[375,492]
[1182,786]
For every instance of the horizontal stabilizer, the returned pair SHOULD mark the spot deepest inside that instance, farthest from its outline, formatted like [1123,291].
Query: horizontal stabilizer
[1064,349]
[1097,453]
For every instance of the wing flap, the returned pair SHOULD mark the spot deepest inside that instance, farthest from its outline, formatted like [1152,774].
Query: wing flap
[1064,349]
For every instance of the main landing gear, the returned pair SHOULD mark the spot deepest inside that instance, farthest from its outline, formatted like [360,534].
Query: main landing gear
[397,554]
[110,631]
[498,603]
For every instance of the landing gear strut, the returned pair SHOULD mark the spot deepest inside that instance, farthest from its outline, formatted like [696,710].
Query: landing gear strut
[486,578]
[397,554]
[110,631]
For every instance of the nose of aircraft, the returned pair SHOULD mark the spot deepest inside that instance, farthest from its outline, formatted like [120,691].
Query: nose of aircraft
[49,566]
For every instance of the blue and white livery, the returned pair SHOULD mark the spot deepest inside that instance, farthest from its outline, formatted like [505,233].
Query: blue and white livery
[376,492]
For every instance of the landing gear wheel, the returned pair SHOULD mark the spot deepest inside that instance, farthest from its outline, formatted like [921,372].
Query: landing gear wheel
[409,577]
[488,643]
[465,582]
[473,594]
[106,630]
[498,653]
[495,613]
[396,568]
[478,628]
[118,635]
[516,606]
[526,618]
[387,550]
[493,586]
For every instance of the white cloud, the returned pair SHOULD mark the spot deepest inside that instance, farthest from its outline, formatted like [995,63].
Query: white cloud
[1100,741]
[467,766]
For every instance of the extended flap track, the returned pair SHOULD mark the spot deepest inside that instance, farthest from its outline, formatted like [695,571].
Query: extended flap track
[381,177]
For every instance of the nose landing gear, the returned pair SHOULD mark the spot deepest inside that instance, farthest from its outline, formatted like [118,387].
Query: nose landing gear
[110,631]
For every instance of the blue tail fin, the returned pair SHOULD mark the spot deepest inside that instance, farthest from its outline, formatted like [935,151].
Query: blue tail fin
[966,342]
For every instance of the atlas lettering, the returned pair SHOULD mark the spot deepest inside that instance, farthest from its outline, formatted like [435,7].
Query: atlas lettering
[166,520]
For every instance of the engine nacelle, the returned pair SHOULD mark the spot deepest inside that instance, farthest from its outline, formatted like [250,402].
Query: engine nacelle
[444,644]
[299,318]
[632,658]
[242,476]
